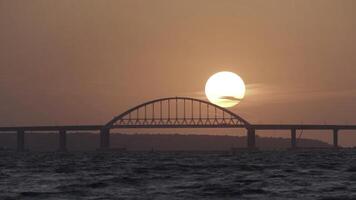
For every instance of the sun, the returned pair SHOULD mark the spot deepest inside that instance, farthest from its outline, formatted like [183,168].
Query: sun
[225,89]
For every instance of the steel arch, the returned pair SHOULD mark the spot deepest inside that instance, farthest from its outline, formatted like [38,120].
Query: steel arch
[128,119]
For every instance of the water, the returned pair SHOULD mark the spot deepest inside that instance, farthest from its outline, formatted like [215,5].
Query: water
[169,176]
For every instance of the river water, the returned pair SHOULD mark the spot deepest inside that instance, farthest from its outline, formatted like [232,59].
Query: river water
[323,174]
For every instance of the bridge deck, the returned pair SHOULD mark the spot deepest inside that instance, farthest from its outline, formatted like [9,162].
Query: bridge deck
[254,126]
[52,128]
[302,127]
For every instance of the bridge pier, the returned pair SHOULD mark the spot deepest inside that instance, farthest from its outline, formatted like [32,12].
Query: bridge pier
[20,141]
[293,138]
[251,138]
[335,138]
[104,139]
[62,141]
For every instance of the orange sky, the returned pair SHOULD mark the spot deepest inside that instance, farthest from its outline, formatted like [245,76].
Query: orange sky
[82,62]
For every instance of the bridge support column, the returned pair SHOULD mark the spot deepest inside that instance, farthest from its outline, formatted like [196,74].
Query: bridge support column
[251,138]
[294,138]
[335,138]
[62,141]
[20,141]
[104,139]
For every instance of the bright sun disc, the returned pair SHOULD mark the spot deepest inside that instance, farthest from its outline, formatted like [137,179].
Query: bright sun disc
[225,89]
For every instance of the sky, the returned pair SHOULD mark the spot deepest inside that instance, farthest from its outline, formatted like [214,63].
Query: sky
[83,62]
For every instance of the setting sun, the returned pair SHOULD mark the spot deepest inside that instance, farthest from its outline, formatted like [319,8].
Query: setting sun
[225,89]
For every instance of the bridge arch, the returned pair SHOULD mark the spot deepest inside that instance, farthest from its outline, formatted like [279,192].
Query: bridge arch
[174,112]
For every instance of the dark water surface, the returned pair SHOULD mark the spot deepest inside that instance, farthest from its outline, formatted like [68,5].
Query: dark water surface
[250,175]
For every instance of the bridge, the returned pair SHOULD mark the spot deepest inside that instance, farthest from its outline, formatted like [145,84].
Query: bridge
[174,112]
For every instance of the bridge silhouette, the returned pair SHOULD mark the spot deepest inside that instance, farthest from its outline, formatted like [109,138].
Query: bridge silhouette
[174,112]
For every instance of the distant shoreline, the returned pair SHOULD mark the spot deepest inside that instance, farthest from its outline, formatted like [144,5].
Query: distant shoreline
[154,142]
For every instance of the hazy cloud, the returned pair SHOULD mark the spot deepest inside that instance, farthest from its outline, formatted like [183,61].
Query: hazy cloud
[264,93]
